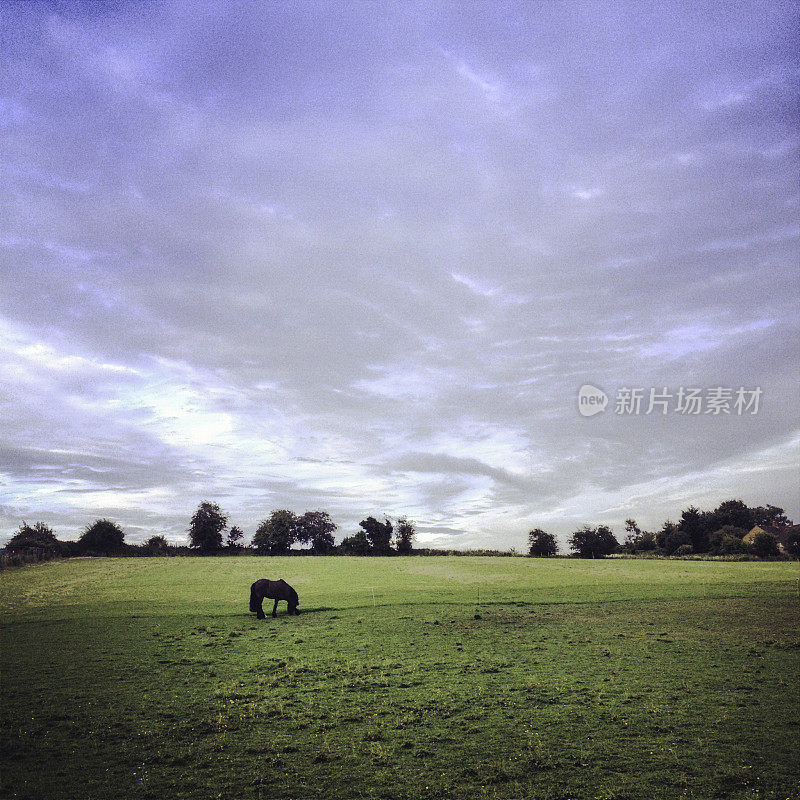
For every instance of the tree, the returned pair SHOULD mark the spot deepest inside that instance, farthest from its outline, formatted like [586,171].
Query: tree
[103,537]
[235,536]
[591,542]
[205,531]
[405,536]
[646,541]
[38,536]
[694,523]
[764,545]
[157,545]
[638,540]
[379,535]
[356,545]
[541,543]
[275,535]
[670,538]
[770,516]
[732,512]
[793,544]
[727,540]
[317,528]
[631,543]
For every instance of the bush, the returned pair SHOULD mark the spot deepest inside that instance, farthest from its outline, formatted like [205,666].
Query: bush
[793,544]
[764,545]
[30,556]
[593,542]
[157,546]
[102,537]
[36,537]
[356,545]
[647,541]
[684,550]
[718,536]
[671,538]
[731,545]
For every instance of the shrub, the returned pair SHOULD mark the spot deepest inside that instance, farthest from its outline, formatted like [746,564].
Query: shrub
[731,545]
[647,541]
[591,542]
[35,537]
[356,545]
[717,537]
[764,545]
[684,550]
[157,546]
[671,538]
[102,537]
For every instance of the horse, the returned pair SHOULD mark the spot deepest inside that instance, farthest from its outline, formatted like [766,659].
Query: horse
[273,590]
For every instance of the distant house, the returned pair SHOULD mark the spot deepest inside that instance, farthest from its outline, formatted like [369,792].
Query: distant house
[781,534]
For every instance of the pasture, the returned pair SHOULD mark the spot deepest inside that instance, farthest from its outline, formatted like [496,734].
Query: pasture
[402,678]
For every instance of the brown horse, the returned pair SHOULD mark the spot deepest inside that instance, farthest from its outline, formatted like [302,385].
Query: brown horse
[273,590]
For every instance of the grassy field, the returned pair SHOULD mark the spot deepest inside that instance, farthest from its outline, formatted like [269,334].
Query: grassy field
[402,678]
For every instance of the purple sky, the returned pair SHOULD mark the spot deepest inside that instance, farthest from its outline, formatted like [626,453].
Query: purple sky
[361,257]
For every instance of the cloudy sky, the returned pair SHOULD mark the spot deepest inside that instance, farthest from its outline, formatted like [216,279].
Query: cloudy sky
[362,257]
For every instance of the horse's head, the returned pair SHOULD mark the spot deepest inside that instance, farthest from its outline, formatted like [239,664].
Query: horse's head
[293,602]
[253,599]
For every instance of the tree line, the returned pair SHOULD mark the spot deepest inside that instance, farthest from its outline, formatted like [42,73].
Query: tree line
[209,534]
[720,532]
[283,529]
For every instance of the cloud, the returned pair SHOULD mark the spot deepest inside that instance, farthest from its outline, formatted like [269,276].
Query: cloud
[303,256]
[450,465]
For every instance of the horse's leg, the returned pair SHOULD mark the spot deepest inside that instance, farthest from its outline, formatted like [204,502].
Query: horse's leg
[275,609]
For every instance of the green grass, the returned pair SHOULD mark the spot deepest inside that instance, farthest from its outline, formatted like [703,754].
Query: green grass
[403,678]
